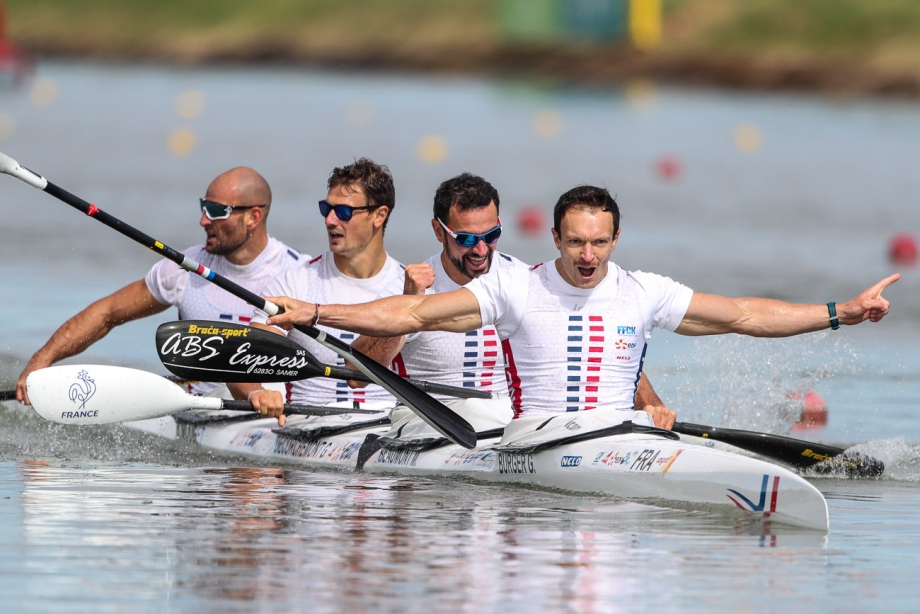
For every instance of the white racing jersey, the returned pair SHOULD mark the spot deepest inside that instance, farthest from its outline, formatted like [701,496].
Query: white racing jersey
[571,349]
[320,281]
[199,299]
[470,360]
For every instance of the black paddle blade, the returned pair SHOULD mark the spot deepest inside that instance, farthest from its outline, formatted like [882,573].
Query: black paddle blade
[850,464]
[212,351]
[804,455]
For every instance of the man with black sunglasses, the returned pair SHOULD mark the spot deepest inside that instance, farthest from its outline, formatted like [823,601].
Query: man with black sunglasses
[355,269]
[467,225]
[234,214]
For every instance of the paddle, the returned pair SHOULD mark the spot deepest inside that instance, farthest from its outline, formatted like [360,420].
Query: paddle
[101,394]
[227,352]
[432,411]
[800,454]
[7,395]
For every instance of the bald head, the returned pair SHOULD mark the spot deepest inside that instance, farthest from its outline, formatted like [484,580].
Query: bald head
[240,187]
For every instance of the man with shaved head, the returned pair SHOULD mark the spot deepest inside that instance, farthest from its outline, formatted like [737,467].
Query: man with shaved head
[237,245]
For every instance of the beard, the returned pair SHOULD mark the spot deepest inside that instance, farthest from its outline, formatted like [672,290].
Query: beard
[227,242]
[464,266]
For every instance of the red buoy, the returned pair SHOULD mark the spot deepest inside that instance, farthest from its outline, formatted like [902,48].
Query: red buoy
[814,412]
[902,249]
[669,167]
[531,220]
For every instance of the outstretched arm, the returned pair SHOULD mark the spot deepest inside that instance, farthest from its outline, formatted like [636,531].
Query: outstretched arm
[710,314]
[132,302]
[456,311]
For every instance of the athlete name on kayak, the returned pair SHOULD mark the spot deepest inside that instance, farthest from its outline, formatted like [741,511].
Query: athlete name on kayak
[515,463]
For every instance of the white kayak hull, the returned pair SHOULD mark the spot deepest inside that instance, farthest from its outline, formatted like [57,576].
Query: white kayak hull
[632,466]
[642,466]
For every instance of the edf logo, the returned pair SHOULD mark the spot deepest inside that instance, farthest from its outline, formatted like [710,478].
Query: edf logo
[570,461]
[626,330]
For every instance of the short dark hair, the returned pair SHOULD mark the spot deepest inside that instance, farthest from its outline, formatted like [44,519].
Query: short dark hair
[374,179]
[467,191]
[587,196]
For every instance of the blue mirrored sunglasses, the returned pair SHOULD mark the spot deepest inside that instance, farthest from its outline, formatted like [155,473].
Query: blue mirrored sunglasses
[343,212]
[217,211]
[469,239]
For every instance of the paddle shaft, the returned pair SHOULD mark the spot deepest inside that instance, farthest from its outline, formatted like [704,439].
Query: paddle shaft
[304,410]
[435,413]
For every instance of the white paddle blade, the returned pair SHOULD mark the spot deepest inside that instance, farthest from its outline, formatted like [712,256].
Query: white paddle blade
[100,394]
[12,167]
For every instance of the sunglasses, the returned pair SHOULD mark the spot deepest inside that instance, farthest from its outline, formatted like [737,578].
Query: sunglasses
[469,239]
[217,211]
[343,212]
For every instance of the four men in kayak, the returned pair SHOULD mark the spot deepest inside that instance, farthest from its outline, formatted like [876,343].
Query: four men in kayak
[573,330]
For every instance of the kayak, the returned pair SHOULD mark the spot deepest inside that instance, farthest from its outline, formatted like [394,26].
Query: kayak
[586,452]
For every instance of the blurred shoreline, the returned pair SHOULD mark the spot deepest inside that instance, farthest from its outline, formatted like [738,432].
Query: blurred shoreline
[843,48]
[582,66]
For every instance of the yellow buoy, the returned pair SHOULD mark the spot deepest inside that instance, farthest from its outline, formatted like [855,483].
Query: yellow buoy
[7,126]
[747,137]
[548,124]
[44,92]
[190,104]
[432,148]
[182,141]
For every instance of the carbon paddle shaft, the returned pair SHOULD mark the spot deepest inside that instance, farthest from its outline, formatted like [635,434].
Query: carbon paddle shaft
[435,413]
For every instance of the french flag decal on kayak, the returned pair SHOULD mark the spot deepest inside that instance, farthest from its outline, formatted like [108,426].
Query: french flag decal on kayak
[748,505]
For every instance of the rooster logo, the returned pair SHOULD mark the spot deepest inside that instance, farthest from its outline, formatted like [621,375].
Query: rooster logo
[82,392]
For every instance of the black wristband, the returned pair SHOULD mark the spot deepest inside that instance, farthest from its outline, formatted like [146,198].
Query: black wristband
[832,313]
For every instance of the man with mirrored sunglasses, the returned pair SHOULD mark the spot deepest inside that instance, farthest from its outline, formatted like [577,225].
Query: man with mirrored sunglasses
[234,214]
[356,268]
[475,359]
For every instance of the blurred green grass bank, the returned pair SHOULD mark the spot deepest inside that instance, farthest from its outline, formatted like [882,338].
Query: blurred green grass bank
[841,46]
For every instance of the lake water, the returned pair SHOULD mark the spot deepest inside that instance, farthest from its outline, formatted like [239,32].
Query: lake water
[793,197]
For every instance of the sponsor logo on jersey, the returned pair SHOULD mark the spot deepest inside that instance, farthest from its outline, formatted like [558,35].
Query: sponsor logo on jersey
[629,331]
